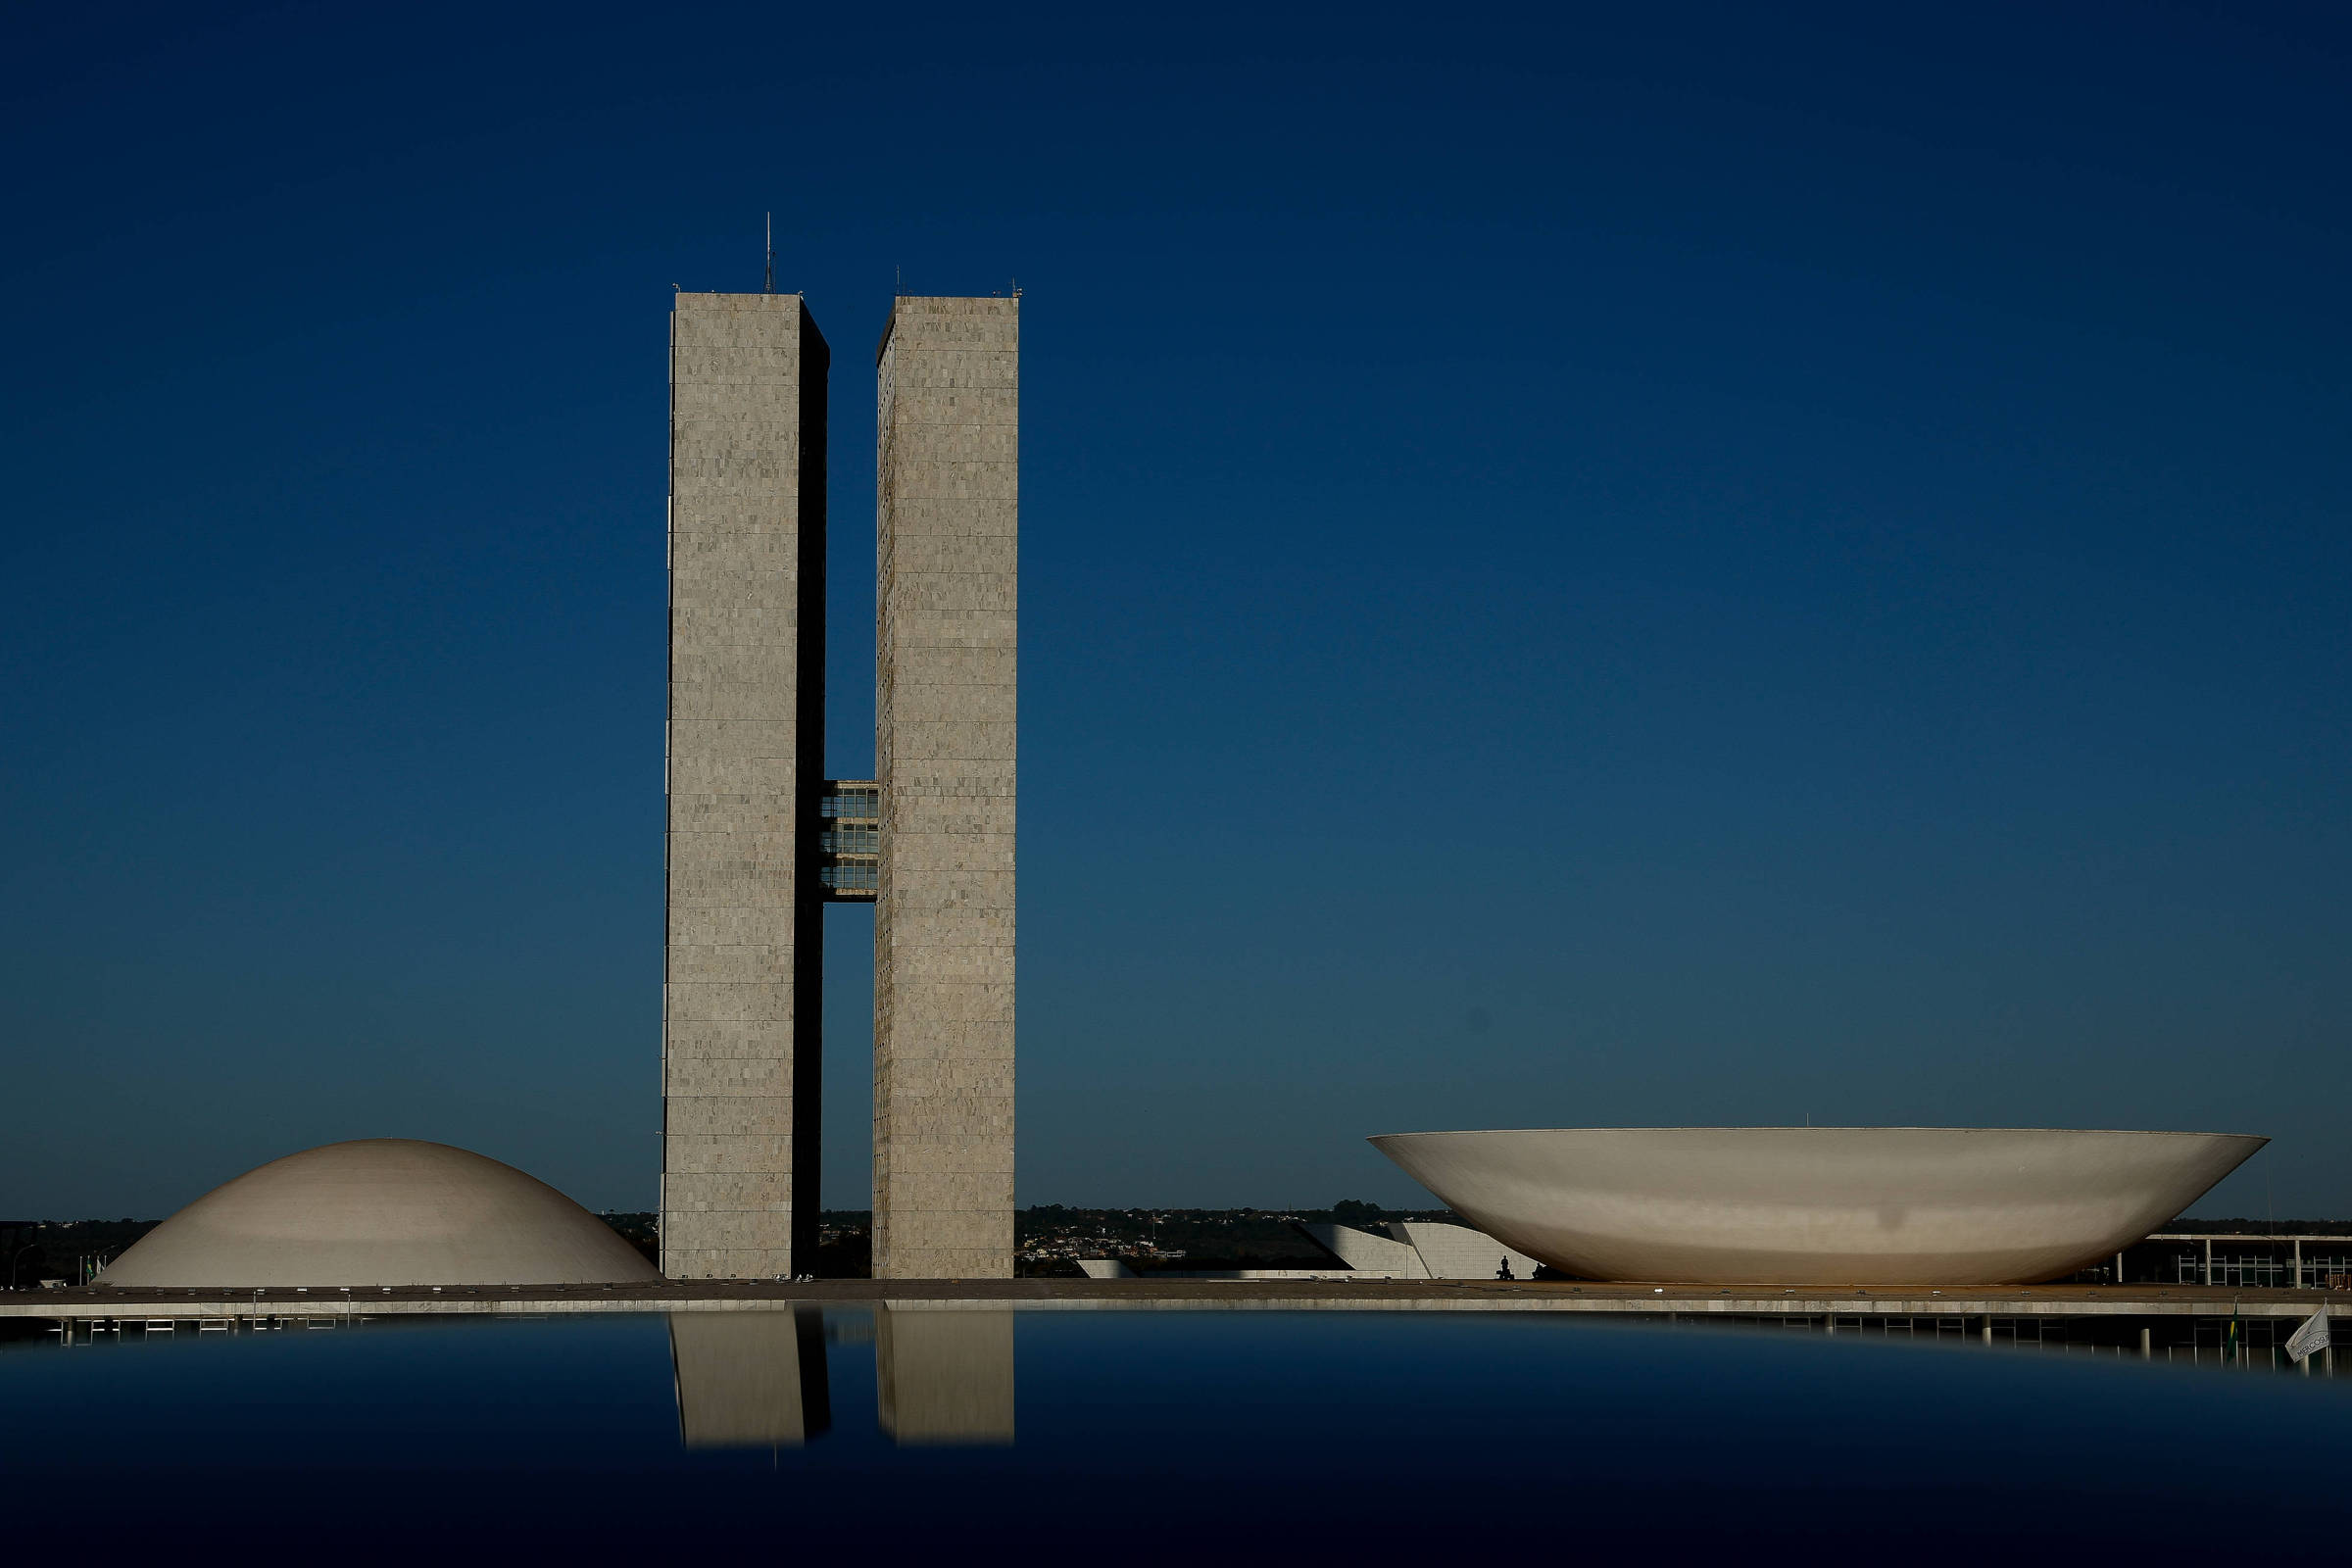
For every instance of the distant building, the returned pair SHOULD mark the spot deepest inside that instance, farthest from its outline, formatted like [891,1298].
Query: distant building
[2305,1260]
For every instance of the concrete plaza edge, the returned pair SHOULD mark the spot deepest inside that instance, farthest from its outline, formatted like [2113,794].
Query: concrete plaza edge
[1258,1295]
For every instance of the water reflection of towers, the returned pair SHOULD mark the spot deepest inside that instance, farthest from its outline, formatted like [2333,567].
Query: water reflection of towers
[758,1379]
[750,1380]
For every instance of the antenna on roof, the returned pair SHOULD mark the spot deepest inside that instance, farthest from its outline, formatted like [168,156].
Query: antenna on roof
[769,285]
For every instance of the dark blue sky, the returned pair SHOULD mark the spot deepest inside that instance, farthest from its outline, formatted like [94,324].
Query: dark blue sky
[1662,563]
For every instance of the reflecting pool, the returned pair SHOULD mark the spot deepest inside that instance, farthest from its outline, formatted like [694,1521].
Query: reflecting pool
[1150,1437]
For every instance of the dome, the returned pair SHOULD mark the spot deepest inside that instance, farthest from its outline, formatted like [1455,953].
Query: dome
[382,1211]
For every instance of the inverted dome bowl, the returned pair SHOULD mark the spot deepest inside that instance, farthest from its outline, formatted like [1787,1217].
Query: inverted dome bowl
[1818,1205]
[382,1211]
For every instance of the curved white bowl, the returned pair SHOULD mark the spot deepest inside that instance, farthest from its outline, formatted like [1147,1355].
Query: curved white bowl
[1818,1205]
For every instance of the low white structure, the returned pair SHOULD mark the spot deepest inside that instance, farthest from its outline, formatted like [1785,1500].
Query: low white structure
[1458,1252]
[380,1212]
[1819,1206]
[1376,1256]
[1422,1249]
[1112,1268]
[1413,1250]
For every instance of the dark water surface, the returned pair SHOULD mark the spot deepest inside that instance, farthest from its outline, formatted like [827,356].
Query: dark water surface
[1153,1437]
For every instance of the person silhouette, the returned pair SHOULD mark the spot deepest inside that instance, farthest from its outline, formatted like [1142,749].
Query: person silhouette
[1505,1272]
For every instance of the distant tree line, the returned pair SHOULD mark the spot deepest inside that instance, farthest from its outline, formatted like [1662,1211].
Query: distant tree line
[35,1250]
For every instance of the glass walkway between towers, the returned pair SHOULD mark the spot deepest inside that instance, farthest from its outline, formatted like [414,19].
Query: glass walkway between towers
[849,843]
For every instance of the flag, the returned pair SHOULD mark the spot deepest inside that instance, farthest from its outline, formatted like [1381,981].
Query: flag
[2312,1336]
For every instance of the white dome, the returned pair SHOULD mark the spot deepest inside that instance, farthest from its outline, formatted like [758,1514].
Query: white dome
[382,1211]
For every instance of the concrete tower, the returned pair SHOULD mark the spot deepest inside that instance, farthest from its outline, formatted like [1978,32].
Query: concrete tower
[740,1027]
[948,652]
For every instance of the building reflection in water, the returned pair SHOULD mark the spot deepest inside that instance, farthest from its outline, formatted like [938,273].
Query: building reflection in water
[750,1380]
[757,1379]
[944,1376]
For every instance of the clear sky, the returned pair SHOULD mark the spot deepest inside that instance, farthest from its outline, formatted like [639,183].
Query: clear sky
[1626,565]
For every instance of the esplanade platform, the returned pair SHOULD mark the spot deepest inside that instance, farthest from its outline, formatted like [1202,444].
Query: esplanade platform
[1980,1307]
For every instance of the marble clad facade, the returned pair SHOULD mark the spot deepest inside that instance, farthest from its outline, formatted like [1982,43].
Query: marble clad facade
[947,652]
[740,1046]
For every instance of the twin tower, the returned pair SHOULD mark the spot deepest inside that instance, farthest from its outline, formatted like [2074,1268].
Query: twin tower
[761,837]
